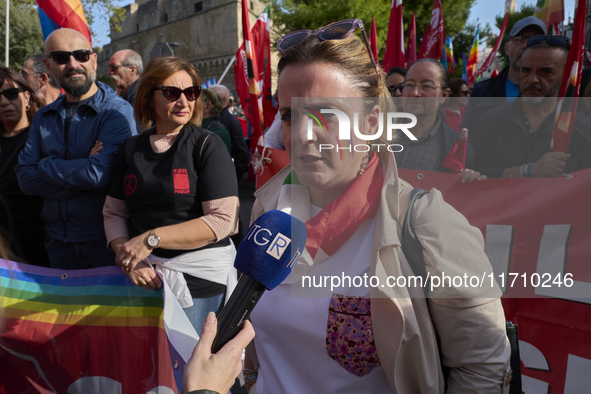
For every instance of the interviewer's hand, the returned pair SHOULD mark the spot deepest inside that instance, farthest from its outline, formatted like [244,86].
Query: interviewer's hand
[217,372]
[470,176]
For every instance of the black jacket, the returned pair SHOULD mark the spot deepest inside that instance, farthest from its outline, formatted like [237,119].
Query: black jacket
[504,141]
[239,150]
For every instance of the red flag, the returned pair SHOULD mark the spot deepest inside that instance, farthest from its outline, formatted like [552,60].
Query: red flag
[437,37]
[411,45]
[456,158]
[571,83]
[246,73]
[423,47]
[394,56]
[495,72]
[491,56]
[373,39]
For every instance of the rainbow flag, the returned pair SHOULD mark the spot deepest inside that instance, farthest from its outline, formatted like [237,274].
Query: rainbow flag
[550,11]
[464,69]
[473,58]
[55,14]
[73,331]
[449,55]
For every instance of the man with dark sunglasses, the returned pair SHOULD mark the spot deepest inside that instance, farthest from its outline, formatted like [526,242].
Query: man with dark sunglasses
[514,140]
[504,85]
[71,150]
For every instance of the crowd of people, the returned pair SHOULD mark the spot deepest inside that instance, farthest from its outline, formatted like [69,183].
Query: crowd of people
[146,177]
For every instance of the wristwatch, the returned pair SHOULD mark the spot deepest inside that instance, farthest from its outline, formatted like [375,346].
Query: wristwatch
[153,239]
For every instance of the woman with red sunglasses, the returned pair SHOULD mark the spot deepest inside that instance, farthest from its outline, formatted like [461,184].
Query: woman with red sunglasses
[20,215]
[173,198]
[346,320]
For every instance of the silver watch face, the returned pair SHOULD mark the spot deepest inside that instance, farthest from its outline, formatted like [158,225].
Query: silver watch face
[153,240]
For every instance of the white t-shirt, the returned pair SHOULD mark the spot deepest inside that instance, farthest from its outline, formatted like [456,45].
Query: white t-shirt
[294,335]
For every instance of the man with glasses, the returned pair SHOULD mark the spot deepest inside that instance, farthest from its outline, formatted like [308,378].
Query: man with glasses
[514,139]
[506,83]
[71,150]
[426,88]
[125,69]
[42,81]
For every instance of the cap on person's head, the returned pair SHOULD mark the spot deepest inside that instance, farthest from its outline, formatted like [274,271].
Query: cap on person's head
[214,99]
[526,22]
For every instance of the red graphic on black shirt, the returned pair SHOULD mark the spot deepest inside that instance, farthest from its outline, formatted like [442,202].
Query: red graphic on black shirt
[181,181]
[129,184]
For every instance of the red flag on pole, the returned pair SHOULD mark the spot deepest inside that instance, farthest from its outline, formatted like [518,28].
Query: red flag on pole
[566,110]
[411,45]
[394,56]
[491,57]
[373,39]
[456,158]
[423,47]
[437,37]
[247,62]
[495,72]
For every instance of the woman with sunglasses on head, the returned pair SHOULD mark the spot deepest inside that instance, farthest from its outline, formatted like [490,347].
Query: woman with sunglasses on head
[455,106]
[174,187]
[20,215]
[373,336]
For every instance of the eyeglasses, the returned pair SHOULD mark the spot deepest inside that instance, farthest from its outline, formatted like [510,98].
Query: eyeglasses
[555,41]
[63,57]
[424,87]
[335,31]
[11,93]
[115,67]
[393,88]
[172,93]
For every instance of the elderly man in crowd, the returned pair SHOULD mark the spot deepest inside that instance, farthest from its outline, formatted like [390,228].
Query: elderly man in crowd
[43,82]
[514,140]
[71,151]
[125,69]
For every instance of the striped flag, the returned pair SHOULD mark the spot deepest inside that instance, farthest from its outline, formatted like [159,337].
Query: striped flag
[550,11]
[55,14]
[251,105]
[78,330]
[373,39]
[473,58]
[491,56]
[448,55]
[571,83]
[394,55]
[411,45]
[209,83]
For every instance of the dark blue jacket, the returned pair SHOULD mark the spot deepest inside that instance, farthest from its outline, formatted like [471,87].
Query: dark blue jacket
[55,165]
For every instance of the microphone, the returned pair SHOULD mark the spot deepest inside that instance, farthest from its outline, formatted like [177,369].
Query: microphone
[266,255]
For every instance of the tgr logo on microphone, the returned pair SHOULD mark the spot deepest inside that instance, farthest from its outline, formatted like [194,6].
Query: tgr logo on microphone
[277,246]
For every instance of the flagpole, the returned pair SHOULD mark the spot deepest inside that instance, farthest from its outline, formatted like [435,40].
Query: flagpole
[226,70]
[7,32]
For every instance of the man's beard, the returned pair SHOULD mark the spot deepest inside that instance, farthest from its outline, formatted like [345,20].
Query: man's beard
[539,101]
[76,88]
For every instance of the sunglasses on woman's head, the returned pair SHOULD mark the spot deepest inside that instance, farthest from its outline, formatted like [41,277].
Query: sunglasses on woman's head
[335,31]
[172,93]
[63,57]
[11,93]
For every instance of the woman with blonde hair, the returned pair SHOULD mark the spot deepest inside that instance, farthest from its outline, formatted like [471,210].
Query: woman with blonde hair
[20,215]
[314,335]
[173,199]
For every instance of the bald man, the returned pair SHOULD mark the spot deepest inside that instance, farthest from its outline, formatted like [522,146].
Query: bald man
[71,151]
[125,69]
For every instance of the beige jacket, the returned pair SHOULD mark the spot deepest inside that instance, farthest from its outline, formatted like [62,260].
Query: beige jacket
[471,329]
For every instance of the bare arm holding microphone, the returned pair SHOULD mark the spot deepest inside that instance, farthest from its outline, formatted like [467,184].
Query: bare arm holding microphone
[208,373]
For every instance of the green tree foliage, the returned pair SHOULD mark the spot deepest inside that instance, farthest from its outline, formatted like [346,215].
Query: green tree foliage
[290,15]
[25,37]
[525,11]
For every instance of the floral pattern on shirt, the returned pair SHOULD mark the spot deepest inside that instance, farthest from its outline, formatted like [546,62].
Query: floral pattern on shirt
[349,334]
